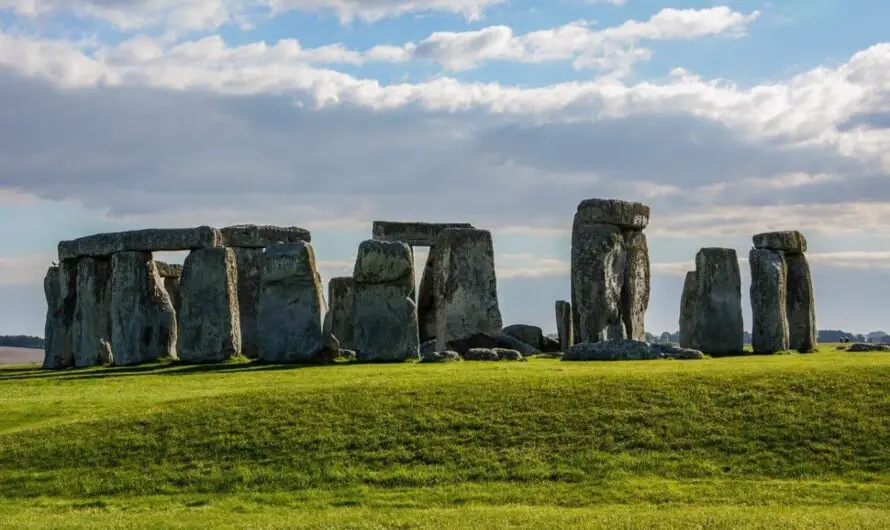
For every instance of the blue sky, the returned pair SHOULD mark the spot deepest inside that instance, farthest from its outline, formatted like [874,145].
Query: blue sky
[728,118]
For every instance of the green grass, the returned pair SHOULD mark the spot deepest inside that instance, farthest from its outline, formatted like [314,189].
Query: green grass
[798,441]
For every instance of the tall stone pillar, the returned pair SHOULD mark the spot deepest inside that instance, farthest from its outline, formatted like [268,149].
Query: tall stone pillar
[60,289]
[564,324]
[687,311]
[341,296]
[769,333]
[249,262]
[92,314]
[717,324]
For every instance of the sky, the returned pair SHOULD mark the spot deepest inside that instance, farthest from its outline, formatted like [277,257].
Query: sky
[728,118]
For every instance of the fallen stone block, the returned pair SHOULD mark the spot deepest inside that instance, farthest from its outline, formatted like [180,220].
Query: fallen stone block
[611,350]
[481,354]
[439,356]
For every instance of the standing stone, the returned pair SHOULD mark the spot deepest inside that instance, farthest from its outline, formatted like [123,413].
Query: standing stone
[635,293]
[527,334]
[426,299]
[564,324]
[597,268]
[769,333]
[249,262]
[143,322]
[171,274]
[209,324]
[341,297]
[60,289]
[718,325]
[92,314]
[800,306]
[384,316]
[465,286]
[291,302]
[687,312]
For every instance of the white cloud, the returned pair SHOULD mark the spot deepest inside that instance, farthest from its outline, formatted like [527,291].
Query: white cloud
[25,269]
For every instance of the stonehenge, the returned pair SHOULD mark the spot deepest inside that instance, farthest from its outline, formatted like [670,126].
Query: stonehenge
[338,320]
[564,324]
[711,306]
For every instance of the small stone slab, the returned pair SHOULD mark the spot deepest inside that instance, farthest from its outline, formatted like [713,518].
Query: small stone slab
[149,240]
[481,354]
[439,356]
[611,350]
[261,236]
[864,347]
[790,241]
[419,234]
[624,214]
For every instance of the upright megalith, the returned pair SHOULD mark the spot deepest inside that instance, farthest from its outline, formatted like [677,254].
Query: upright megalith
[800,309]
[143,322]
[465,286]
[51,292]
[426,299]
[384,315]
[610,270]
[60,288]
[687,311]
[564,324]
[92,315]
[171,274]
[341,297]
[717,323]
[291,303]
[249,264]
[209,325]
[769,332]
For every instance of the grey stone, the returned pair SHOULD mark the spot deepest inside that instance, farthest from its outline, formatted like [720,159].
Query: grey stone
[51,293]
[168,270]
[348,355]
[550,345]
[171,285]
[862,347]
[597,268]
[769,333]
[261,236]
[531,335]
[505,354]
[92,314]
[564,324]
[384,317]
[687,311]
[718,325]
[624,214]
[152,239]
[492,341]
[428,347]
[341,296]
[60,289]
[481,354]
[249,262]
[439,356]
[209,325]
[290,326]
[673,352]
[635,292]
[800,305]
[790,241]
[426,299]
[611,350]
[465,286]
[143,322]
[419,234]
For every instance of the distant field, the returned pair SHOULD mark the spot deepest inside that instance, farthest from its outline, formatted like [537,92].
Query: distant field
[785,441]
[20,355]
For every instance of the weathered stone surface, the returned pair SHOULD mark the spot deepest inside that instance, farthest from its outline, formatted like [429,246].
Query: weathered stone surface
[51,293]
[624,214]
[168,270]
[290,326]
[769,333]
[249,263]
[791,241]
[531,335]
[419,234]
[672,352]
[143,322]
[426,299]
[597,268]
[481,354]
[261,236]
[687,311]
[506,354]
[384,317]
[171,285]
[428,347]
[60,289]
[439,356]
[717,324]
[465,286]
[209,324]
[550,345]
[564,326]
[341,296]
[635,292]
[863,347]
[611,350]
[91,331]
[800,305]
[491,341]
[152,239]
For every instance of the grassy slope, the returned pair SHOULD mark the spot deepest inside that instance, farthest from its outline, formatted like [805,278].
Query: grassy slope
[764,440]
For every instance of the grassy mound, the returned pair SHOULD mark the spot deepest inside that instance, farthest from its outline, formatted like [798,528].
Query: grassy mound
[343,442]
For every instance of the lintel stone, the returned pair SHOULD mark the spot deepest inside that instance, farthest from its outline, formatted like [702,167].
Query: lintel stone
[262,236]
[790,241]
[148,240]
[624,214]
[419,234]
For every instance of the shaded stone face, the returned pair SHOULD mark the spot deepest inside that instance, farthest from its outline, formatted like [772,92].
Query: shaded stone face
[800,305]
[209,323]
[341,297]
[291,304]
[718,325]
[92,315]
[262,236]
[597,269]
[769,333]
[623,214]
[152,239]
[168,270]
[418,234]
[465,286]
[790,241]
[564,324]
[143,322]
[249,262]
[426,299]
[384,314]
[635,292]
[60,289]
[687,312]
[531,335]
[171,285]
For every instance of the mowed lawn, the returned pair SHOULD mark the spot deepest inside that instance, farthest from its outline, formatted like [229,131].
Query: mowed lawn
[785,441]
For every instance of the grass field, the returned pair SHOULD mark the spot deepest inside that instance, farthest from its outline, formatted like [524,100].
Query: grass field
[786,441]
